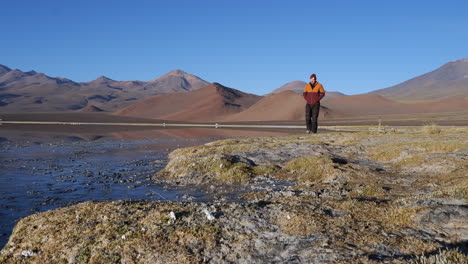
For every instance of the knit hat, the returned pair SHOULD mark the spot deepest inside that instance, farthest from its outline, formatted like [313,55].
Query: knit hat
[313,76]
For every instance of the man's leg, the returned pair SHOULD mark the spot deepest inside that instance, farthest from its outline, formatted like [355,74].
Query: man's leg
[308,116]
[315,114]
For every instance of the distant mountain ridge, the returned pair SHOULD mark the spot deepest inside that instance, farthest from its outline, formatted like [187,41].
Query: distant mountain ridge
[32,91]
[178,95]
[448,81]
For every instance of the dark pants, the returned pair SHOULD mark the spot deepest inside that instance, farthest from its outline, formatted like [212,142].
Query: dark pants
[312,113]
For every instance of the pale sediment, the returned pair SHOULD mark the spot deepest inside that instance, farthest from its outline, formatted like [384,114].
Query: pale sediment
[369,197]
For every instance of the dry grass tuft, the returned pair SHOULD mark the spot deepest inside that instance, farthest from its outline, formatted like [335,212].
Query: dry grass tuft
[310,169]
[266,169]
[431,128]
[220,168]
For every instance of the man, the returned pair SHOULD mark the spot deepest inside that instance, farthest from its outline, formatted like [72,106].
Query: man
[313,93]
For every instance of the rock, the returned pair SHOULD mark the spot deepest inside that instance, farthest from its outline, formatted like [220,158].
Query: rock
[209,216]
[29,253]
[172,217]
[448,219]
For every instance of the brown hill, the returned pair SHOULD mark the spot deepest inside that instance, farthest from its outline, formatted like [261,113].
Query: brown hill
[364,105]
[448,105]
[285,105]
[331,95]
[211,103]
[36,92]
[448,81]
[372,104]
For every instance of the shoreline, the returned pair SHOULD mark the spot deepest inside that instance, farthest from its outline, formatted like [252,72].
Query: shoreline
[442,119]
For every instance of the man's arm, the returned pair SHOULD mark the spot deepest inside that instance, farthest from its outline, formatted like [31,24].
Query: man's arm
[322,93]
[304,92]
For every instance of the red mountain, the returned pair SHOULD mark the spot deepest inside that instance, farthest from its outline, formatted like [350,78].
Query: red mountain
[211,103]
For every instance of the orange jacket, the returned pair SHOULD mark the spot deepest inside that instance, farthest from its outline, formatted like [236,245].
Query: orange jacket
[313,94]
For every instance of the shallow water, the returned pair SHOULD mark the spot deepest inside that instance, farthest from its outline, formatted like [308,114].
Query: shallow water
[37,176]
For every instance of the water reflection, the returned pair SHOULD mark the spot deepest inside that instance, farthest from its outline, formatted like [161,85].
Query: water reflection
[91,133]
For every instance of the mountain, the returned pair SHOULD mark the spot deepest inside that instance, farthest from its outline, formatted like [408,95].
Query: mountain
[176,81]
[285,105]
[36,92]
[210,103]
[12,79]
[295,86]
[4,69]
[448,81]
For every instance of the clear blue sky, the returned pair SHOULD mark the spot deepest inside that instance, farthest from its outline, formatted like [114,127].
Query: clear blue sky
[254,46]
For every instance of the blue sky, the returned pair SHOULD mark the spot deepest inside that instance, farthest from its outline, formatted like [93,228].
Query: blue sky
[254,46]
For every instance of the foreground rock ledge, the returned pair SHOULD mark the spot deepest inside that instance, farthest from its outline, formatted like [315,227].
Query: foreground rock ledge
[389,196]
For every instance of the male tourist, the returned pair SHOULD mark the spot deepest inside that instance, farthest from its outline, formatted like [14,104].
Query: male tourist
[313,93]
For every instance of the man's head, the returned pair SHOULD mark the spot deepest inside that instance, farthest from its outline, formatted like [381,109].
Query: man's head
[313,78]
